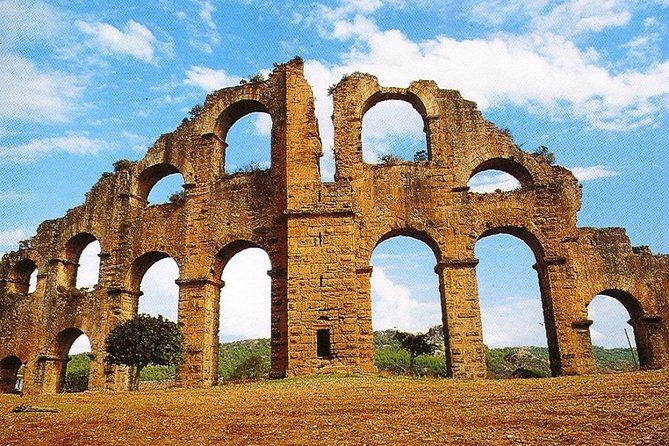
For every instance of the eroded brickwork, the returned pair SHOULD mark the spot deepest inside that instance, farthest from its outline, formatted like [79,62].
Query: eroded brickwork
[319,237]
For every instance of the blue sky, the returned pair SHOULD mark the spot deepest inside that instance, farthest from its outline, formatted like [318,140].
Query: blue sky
[83,85]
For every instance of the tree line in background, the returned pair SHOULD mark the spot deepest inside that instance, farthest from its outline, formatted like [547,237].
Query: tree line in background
[396,352]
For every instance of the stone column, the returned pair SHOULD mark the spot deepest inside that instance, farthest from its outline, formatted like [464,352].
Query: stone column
[581,328]
[366,333]
[122,306]
[279,324]
[568,338]
[199,318]
[49,374]
[651,348]
[461,316]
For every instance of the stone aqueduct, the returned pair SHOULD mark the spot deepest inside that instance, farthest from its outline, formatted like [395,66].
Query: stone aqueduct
[319,237]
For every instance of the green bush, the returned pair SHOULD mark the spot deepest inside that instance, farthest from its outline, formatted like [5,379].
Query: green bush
[157,373]
[244,360]
[391,359]
[253,367]
[76,376]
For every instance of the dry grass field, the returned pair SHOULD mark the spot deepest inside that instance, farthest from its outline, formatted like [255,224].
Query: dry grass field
[623,409]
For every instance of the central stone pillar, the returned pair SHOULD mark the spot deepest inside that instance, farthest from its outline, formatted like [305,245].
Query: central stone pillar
[461,316]
[198,318]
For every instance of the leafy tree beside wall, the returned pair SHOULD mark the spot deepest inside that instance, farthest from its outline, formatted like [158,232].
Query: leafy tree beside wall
[145,340]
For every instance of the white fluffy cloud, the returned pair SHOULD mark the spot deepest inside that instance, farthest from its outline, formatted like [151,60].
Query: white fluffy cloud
[593,172]
[393,306]
[76,144]
[42,96]
[544,70]
[161,293]
[486,182]
[513,322]
[209,79]
[609,322]
[12,196]
[245,298]
[135,40]
[10,238]
[24,22]
[89,266]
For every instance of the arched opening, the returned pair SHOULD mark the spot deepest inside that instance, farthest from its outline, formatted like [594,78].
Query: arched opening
[612,333]
[78,369]
[499,175]
[83,254]
[10,381]
[393,131]
[161,184]
[493,181]
[68,362]
[245,313]
[512,307]
[246,128]
[89,266]
[159,291]
[168,190]
[24,277]
[249,142]
[405,298]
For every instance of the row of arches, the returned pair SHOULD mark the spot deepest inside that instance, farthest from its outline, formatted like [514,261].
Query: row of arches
[393,129]
[404,296]
[244,309]
[82,267]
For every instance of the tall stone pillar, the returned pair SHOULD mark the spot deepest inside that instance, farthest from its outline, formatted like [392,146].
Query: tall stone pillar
[461,316]
[279,324]
[567,327]
[366,332]
[199,318]
[651,347]
[123,306]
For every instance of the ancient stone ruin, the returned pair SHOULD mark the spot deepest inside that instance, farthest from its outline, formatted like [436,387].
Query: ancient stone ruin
[319,237]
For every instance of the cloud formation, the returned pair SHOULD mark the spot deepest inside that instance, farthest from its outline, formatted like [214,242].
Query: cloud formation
[75,144]
[543,70]
[135,40]
[43,96]
[10,238]
[209,79]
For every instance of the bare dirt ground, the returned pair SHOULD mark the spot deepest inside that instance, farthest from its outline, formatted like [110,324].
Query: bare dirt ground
[624,409]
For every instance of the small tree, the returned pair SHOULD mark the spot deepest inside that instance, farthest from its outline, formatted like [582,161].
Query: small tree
[177,196]
[389,159]
[420,156]
[416,344]
[545,153]
[145,340]
[196,111]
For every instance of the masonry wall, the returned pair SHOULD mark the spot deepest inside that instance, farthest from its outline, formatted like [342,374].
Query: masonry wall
[320,238]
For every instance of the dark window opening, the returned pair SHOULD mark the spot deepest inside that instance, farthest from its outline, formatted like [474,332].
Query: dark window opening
[323,346]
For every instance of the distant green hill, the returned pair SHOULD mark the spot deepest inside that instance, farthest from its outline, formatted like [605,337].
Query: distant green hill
[501,362]
[250,359]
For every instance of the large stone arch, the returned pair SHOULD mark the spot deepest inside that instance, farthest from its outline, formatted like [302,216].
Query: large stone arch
[52,365]
[19,276]
[141,265]
[639,321]
[71,255]
[9,370]
[507,165]
[359,92]
[320,236]
[151,175]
